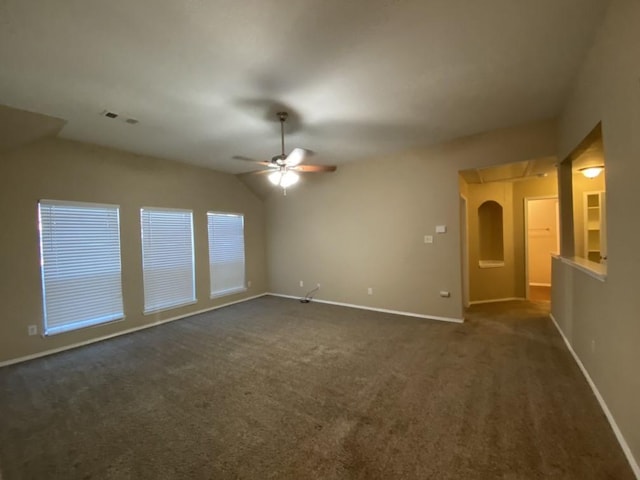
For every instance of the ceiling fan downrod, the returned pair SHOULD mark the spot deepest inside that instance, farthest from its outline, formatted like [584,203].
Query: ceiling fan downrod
[283,117]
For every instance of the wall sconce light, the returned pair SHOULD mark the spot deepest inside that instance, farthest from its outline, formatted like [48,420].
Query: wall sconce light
[592,172]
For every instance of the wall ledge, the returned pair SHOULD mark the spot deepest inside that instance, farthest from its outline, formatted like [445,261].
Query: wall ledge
[614,426]
[593,269]
[490,263]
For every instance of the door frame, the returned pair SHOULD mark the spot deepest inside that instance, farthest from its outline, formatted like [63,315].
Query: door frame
[464,249]
[526,234]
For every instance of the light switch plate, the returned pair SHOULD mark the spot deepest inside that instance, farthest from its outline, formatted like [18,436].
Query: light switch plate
[428,239]
[441,229]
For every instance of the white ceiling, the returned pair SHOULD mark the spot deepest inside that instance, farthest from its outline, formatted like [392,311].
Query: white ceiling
[359,77]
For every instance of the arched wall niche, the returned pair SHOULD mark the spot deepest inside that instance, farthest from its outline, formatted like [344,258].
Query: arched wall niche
[491,234]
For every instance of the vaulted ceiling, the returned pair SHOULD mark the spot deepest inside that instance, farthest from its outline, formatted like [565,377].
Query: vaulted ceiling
[204,78]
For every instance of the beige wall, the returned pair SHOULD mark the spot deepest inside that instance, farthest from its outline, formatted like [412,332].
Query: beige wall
[65,170]
[363,226]
[601,319]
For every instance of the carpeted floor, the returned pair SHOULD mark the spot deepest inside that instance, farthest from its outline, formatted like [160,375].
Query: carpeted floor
[276,389]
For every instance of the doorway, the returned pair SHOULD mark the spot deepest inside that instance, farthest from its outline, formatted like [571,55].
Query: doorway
[542,241]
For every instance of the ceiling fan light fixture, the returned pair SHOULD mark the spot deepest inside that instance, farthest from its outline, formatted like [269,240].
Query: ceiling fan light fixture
[284,179]
[283,168]
[275,177]
[591,172]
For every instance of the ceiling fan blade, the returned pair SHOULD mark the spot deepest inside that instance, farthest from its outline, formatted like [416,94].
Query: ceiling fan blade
[297,156]
[257,172]
[247,159]
[314,168]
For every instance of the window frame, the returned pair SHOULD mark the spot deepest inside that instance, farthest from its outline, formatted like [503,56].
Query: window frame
[46,288]
[210,246]
[149,307]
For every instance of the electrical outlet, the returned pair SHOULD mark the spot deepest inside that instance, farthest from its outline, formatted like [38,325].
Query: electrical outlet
[249,284]
[441,229]
[593,346]
[445,294]
[33,330]
[301,283]
[428,239]
[370,291]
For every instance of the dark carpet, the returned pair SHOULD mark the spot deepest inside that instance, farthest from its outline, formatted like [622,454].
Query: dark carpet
[276,389]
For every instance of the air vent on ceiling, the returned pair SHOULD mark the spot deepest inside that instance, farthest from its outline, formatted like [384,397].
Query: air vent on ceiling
[114,115]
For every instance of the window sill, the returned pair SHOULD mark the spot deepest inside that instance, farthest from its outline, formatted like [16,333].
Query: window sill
[228,292]
[51,331]
[593,269]
[491,263]
[169,307]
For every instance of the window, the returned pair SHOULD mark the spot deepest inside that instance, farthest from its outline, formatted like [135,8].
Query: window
[167,258]
[80,264]
[226,253]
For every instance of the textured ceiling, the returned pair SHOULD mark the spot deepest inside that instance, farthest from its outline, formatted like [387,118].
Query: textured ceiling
[512,172]
[360,77]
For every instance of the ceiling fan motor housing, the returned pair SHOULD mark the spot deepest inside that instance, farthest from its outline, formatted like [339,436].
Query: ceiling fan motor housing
[279,159]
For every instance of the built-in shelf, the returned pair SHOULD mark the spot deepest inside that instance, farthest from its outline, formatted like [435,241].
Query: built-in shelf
[593,227]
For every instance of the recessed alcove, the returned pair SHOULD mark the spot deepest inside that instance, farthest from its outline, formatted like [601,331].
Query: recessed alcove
[491,235]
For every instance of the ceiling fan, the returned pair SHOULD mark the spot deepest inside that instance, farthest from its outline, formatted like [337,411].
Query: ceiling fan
[284,169]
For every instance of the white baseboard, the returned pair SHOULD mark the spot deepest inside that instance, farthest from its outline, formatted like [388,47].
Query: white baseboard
[533,284]
[383,310]
[496,300]
[623,443]
[123,332]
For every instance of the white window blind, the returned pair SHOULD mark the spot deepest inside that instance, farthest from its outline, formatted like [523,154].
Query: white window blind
[167,258]
[226,253]
[80,264]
